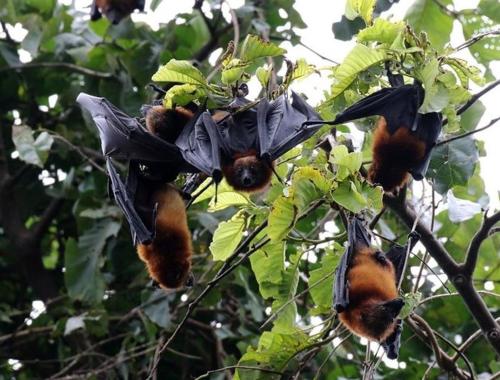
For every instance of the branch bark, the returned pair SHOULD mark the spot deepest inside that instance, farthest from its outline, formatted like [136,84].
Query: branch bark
[461,278]
[58,65]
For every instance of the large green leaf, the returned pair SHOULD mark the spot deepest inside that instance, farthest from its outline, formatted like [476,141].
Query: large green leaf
[267,265]
[321,281]
[359,59]
[426,16]
[180,72]
[487,49]
[382,31]
[82,261]
[227,236]
[255,47]
[281,218]
[363,8]
[157,307]
[32,151]
[453,164]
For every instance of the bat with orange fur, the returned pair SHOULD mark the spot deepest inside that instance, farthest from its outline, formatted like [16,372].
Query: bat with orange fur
[154,208]
[403,138]
[366,289]
[114,10]
[242,144]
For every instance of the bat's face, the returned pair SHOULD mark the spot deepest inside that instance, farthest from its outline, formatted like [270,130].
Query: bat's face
[378,319]
[248,174]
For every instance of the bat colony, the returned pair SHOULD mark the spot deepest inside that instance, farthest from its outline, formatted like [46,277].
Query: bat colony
[242,144]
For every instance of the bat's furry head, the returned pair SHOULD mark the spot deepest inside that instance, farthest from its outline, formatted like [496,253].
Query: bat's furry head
[248,173]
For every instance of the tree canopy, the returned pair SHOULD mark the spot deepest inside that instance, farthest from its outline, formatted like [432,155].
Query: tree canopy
[75,300]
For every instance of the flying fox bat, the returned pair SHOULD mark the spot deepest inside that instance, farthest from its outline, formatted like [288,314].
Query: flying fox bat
[242,146]
[153,208]
[366,289]
[114,10]
[403,138]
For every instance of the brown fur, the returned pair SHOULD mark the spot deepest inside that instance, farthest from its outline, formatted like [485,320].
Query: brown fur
[167,124]
[247,165]
[168,257]
[371,284]
[393,156]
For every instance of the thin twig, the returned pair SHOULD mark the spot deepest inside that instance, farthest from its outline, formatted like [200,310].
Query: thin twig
[477,38]
[58,65]
[490,124]
[477,240]
[250,368]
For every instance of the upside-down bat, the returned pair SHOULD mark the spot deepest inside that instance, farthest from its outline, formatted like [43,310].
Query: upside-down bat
[366,289]
[243,144]
[403,138]
[114,10]
[153,209]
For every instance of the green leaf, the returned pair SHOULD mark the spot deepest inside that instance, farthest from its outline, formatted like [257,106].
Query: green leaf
[302,70]
[263,75]
[227,236]
[427,75]
[281,218]
[82,261]
[227,199]
[363,8]
[487,49]
[180,72]
[32,151]
[359,59]
[453,164]
[347,163]
[182,94]
[349,197]
[426,16]
[255,47]
[381,31]
[157,307]
[411,302]
[233,71]
[267,265]
[321,281]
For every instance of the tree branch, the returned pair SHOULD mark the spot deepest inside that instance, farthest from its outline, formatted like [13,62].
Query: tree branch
[454,271]
[59,65]
[474,99]
[477,38]
[490,124]
[46,219]
[477,240]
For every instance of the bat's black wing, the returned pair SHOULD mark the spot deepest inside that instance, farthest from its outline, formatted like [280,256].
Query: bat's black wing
[281,125]
[95,13]
[397,254]
[201,144]
[124,138]
[398,105]
[428,130]
[393,342]
[357,237]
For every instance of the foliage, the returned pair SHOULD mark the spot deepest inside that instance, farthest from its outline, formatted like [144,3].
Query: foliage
[62,239]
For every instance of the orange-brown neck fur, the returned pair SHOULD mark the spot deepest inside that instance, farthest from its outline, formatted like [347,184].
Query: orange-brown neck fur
[247,172]
[371,283]
[167,124]
[168,257]
[393,156]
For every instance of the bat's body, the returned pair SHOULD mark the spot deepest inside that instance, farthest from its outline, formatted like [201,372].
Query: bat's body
[373,297]
[115,10]
[365,289]
[403,138]
[168,256]
[153,208]
[243,144]
[394,155]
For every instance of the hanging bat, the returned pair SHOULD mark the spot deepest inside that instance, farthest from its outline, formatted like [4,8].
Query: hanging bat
[366,289]
[403,138]
[114,10]
[151,207]
[242,146]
